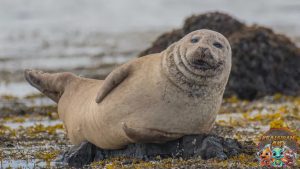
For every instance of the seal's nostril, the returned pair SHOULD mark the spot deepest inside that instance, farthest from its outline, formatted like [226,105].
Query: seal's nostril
[204,52]
[203,49]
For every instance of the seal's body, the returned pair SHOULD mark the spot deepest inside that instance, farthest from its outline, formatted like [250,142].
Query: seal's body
[156,98]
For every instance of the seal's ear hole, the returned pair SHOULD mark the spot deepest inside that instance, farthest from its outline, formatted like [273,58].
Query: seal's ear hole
[195,39]
[218,45]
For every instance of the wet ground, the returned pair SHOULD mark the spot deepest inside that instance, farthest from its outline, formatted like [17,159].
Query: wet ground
[90,38]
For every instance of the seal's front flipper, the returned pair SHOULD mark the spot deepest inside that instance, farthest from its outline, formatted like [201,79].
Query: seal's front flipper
[52,85]
[145,135]
[112,81]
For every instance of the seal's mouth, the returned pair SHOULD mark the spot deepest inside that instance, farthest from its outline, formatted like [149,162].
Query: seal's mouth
[203,60]
[201,64]
[205,65]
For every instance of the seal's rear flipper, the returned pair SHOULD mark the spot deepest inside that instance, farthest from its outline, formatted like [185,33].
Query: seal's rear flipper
[52,85]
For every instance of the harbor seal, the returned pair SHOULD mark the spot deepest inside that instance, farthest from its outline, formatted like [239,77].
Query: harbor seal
[153,99]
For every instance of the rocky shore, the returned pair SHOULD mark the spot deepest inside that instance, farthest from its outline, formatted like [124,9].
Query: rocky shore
[263,92]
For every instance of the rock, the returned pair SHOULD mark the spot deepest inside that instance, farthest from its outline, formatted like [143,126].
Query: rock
[263,62]
[220,22]
[206,146]
[163,41]
[79,156]
[216,21]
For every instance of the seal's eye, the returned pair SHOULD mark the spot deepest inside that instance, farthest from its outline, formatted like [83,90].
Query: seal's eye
[195,40]
[218,45]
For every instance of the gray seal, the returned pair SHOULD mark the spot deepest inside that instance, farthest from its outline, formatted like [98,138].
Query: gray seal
[152,99]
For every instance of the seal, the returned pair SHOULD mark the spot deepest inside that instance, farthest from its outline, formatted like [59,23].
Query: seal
[152,99]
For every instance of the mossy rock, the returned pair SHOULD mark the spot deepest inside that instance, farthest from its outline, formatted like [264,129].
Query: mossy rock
[263,62]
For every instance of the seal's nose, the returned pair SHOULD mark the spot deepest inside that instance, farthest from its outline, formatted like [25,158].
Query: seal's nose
[204,49]
[204,52]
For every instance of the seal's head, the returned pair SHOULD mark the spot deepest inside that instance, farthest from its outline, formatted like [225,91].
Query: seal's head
[202,57]
[205,52]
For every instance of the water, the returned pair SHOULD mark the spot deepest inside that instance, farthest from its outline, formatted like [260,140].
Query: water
[16,89]
[23,164]
[28,123]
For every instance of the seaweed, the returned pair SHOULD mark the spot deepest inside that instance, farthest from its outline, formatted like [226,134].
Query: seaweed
[263,62]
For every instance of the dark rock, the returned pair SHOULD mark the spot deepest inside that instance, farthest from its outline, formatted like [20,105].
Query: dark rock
[79,156]
[216,21]
[206,146]
[249,147]
[212,147]
[263,62]
[163,41]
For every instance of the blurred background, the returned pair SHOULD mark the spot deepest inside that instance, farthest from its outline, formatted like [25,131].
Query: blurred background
[91,37]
